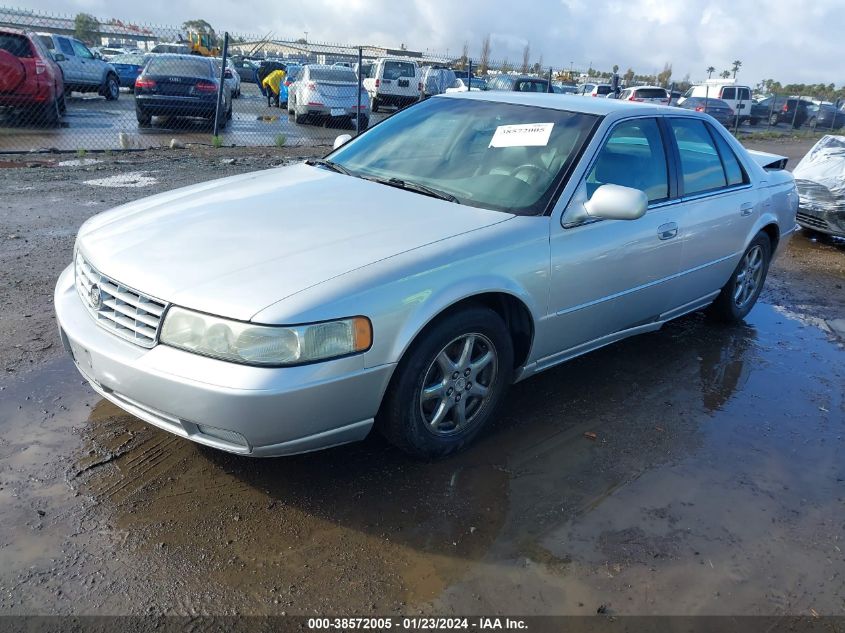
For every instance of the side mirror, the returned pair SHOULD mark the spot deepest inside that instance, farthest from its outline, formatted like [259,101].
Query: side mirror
[59,57]
[343,139]
[615,202]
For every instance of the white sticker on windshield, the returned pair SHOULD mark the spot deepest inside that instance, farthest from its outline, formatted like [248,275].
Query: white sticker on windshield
[522,135]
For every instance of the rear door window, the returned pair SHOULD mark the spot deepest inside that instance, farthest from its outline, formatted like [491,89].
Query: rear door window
[651,93]
[700,164]
[728,93]
[743,94]
[16,45]
[633,157]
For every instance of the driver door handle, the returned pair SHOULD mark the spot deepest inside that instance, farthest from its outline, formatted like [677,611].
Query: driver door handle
[667,231]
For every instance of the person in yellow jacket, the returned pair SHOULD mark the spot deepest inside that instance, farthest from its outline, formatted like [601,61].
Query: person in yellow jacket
[271,84]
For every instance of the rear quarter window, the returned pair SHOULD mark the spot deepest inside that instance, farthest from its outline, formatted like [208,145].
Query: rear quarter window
[733,170]
[701,166]
[17,45]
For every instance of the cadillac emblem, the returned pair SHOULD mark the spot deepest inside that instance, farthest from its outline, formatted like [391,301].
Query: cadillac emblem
[95,298]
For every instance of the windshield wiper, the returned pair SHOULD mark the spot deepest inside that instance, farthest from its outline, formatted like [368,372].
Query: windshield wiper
[322,162]
[418,188]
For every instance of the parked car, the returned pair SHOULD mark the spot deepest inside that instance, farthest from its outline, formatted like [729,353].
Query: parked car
[564,88]
[245,68]
[231,77]
[716,108]
[791,110]
[465,243]
[128,67]
[820,178]
[436,79]
[462,83]
[364,71]
[518,83]
[595,90]
[180,86]
[30,80]
[82,71]
[736,96]
[178,49]
[108,53]
[393,81]
[674,97]
[825,116]
[646,94]
[328,93]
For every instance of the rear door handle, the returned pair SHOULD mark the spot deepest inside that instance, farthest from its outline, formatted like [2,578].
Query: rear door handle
[667,231]
[746,209]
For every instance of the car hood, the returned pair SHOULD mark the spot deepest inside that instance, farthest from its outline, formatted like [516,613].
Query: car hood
[234,246]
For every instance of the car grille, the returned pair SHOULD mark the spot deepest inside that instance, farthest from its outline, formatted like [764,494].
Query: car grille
[126,312]
[812,221]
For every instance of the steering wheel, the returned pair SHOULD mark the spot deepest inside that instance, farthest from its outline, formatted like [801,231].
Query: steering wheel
[542,170]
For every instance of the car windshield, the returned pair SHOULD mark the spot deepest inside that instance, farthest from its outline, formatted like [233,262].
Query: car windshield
[500,156]
[395,70]
[338,74]
[178,67]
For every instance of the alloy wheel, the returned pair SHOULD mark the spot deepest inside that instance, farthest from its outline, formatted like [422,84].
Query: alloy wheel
[458,384]
[749,277]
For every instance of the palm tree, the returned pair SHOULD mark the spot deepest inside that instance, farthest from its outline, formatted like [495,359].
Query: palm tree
[725,74]
[736,66]
[710,71]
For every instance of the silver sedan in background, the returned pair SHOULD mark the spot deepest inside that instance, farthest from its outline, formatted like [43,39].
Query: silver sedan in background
[328,93]
[467,242]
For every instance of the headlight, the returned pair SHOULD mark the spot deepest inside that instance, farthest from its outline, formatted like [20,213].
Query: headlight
[250,344]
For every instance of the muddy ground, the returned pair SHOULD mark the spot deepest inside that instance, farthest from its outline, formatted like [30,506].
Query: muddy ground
[714,482]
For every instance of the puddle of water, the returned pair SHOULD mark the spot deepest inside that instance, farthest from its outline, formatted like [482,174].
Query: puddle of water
[715,479]
[129,180]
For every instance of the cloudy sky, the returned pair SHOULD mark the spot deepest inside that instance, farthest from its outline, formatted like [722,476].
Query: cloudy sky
[788,40]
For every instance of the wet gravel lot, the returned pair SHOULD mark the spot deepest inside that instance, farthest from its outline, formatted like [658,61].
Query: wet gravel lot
[696,470]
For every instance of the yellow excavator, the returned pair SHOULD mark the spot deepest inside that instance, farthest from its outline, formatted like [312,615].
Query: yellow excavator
[202,44]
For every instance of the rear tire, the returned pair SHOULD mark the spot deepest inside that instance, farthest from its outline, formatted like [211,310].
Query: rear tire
[375,105]
[300,119]
[145,119]
[449,384]
[111,89]
[753,121]
[50,115]
[740,294]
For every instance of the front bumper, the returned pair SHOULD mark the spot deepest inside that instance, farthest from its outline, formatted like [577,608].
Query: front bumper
[257,411]
[829,221]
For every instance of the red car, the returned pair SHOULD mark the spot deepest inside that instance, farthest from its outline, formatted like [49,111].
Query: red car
[29,78]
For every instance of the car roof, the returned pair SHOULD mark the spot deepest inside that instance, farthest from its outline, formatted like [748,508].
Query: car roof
[9,29]
[569,103]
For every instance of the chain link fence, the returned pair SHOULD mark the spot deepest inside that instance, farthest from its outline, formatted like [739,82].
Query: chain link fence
[82,83]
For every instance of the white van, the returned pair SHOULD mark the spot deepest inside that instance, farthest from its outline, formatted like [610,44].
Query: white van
[736,96]
[393,81]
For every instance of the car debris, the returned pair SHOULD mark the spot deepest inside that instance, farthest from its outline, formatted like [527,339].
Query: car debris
[820,179]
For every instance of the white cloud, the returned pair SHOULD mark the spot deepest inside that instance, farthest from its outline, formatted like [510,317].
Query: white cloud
[789,41]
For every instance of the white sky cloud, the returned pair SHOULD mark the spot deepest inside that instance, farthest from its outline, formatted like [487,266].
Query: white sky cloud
[788,40]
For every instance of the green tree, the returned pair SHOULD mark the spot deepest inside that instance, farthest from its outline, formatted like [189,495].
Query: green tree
[710,71]
[526,59]
[725,74]
[665,75]
[615,68]
[506,67]
[86,28]
[629,76]
[464,57]
[736,66]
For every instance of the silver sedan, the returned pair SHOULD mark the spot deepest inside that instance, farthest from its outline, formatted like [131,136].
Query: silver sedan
[464,244]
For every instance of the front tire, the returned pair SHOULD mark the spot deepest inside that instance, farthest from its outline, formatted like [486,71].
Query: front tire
[449,384]
[740,294]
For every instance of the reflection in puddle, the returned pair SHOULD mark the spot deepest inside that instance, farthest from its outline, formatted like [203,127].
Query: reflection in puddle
[693,483]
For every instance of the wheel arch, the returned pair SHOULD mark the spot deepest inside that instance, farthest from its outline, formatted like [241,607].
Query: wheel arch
[512,307]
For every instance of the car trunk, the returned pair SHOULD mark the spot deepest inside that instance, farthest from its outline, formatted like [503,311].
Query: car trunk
[336,94]
[178,86]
